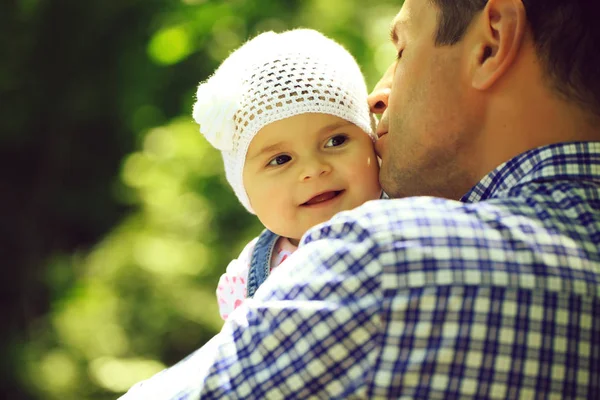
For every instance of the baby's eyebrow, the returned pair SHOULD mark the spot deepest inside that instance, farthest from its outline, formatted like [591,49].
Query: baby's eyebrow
[269,149]
[333,127]
[273,148]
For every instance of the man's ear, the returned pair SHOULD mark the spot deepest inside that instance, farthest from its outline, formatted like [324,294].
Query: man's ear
[500,32]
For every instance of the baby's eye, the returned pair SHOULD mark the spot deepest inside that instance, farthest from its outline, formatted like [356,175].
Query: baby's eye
[337,140]
[279,160]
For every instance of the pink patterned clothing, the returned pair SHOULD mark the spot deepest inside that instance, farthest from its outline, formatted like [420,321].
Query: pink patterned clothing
[231,290]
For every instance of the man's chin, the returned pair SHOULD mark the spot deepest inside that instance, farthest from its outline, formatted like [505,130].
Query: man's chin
[388,184]
[398,184]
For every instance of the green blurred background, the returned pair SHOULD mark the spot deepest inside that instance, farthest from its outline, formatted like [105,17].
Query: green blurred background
[116,217]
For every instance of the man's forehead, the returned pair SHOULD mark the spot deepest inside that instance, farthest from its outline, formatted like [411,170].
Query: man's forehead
[412,14]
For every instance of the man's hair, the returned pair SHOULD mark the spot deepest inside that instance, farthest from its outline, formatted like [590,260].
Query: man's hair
[565,33]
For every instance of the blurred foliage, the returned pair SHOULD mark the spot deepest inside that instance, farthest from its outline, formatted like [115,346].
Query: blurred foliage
[117,219]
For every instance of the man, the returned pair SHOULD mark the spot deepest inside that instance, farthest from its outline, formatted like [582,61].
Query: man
[493,296]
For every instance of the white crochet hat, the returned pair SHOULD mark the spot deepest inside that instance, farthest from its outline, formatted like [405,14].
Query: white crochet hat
[272,77]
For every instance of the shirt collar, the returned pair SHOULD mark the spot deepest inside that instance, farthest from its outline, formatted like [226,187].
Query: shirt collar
[579,160]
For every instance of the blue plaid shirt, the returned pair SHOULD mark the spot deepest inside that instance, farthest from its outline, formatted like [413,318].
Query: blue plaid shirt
[495,296]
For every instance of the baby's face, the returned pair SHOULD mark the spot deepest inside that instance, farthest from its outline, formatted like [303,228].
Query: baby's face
[302,170]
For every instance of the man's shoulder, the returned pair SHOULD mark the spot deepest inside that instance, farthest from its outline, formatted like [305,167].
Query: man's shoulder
[437,222]
[414,219]
[423,241]
[430,215]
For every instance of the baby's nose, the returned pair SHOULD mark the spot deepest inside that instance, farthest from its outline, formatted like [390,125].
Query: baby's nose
[315,169]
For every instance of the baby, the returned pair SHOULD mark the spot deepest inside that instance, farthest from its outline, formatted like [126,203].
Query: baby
[289,113]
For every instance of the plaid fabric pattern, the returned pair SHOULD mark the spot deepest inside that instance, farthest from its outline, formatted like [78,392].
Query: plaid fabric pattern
[496,296]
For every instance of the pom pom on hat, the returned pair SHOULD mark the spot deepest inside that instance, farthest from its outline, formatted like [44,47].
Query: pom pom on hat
[217,103]
[218,98]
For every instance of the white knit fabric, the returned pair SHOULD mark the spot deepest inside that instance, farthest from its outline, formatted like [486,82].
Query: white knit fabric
[272,77]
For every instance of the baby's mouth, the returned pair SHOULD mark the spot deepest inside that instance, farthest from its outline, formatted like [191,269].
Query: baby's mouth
[323,197]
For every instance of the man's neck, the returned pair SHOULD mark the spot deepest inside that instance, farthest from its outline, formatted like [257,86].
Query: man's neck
[532,119]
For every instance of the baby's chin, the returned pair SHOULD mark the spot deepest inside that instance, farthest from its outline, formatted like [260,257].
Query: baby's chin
[295,236]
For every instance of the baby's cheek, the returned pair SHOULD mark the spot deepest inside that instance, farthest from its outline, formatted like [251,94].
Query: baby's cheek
[370,182]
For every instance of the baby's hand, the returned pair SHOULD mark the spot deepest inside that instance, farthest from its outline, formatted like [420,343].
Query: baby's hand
[231,292]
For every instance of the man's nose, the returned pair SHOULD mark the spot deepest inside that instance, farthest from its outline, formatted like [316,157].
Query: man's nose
[379,97]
